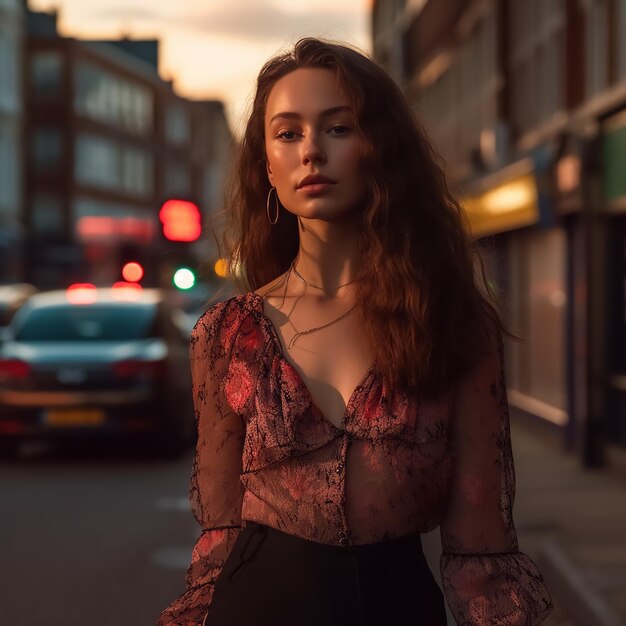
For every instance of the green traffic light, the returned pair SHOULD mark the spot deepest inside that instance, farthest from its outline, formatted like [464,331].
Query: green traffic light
[184,278]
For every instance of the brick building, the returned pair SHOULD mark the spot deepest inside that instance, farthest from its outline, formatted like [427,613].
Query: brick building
[11,103]
[108,141]
[526,101]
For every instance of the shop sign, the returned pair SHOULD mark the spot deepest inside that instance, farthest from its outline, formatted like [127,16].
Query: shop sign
[614,149]
[511,204]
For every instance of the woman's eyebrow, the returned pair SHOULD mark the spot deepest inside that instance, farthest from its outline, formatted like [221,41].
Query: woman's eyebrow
[324,113]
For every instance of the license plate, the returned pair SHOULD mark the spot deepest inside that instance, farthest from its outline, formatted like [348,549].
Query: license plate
[75,417]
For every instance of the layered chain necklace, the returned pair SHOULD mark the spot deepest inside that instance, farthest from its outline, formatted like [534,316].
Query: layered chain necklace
[306,282]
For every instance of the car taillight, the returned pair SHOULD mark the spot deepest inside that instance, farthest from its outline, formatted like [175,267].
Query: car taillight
[131,368]
[81,293]
[13,368]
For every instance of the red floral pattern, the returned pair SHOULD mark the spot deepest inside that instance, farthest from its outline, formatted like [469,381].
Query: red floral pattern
[239,385]
[398,465]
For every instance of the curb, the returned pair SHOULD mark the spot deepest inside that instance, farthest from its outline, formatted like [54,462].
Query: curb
[572,589]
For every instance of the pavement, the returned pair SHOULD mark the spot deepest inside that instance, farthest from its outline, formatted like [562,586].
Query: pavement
[572,522]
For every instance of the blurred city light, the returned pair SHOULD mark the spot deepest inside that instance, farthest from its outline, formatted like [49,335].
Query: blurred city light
[509,204]
[181,220]
[220,268]
[132,272]
[81,293]
[184,278]
[107,228]
[568,173]
[511,196]
[126,291]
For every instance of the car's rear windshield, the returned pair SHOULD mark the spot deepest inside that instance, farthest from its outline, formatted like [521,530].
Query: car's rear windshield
[120,322]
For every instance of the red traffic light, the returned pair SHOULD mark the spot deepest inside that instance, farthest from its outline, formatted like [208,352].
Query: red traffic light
[132,272]
[181,220]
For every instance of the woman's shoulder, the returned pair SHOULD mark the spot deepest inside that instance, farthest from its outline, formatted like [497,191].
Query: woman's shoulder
[220,317]
[233,320]
[224,318]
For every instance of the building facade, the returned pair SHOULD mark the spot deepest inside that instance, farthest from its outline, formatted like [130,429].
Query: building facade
[11,119]
[108,142]
[525,101]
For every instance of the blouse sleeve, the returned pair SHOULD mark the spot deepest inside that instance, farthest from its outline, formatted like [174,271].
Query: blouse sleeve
[215,489]
[487,581]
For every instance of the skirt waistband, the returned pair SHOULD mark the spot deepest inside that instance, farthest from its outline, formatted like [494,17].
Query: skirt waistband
[411,542]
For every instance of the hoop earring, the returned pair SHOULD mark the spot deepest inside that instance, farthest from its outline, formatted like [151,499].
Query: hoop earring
[268,206]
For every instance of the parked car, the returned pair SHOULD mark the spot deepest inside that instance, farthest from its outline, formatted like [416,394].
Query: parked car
[90,362]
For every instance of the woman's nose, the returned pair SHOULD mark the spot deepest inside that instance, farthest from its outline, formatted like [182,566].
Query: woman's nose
[312,150]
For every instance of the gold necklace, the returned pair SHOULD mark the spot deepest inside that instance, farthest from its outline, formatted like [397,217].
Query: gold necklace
[310,330]
[311,284]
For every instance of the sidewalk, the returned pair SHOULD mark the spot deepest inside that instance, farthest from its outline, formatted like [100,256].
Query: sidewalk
[572,521]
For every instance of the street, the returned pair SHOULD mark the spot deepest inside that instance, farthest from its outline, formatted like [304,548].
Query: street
[100,538]
[428,165]
[103,537]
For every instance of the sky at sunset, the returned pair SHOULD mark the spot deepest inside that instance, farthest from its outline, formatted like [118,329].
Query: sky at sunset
[215,48]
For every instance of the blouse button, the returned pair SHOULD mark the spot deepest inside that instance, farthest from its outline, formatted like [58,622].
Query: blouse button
[343,541]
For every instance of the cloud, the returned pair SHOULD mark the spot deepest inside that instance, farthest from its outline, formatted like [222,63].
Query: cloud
[126,13]
[267,21]
[253,21]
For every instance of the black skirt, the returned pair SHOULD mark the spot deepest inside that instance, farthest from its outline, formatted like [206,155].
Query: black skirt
[272,578]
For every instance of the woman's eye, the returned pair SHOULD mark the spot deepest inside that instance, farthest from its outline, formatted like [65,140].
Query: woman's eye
[286,134]
[289,135]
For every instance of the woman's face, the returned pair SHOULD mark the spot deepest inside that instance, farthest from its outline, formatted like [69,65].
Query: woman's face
[310,130]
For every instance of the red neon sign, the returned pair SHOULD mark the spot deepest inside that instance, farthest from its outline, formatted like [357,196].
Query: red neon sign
[181,220]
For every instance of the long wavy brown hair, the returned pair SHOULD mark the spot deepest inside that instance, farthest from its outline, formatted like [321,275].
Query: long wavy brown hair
[425,304]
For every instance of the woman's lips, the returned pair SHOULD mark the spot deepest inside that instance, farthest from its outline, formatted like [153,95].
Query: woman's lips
[316,188]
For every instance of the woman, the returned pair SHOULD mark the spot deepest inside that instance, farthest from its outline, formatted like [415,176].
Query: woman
[352,395]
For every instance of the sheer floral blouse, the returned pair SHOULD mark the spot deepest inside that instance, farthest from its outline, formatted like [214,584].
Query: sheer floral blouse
[398,465]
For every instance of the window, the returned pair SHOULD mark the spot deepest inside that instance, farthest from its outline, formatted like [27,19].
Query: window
[461,103]
[9,174]
[537,308]
[46,74]
[177,179]
[97,162]
[211,185]
[438,108]
[136,171]
[177,124]
[102,96]
[46,214]
[47,149]
[536,61]
[116,322]
[597,45]
[104,163]
[9,70]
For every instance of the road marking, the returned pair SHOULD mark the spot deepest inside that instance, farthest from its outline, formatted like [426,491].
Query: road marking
[172,557]
[173,504]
